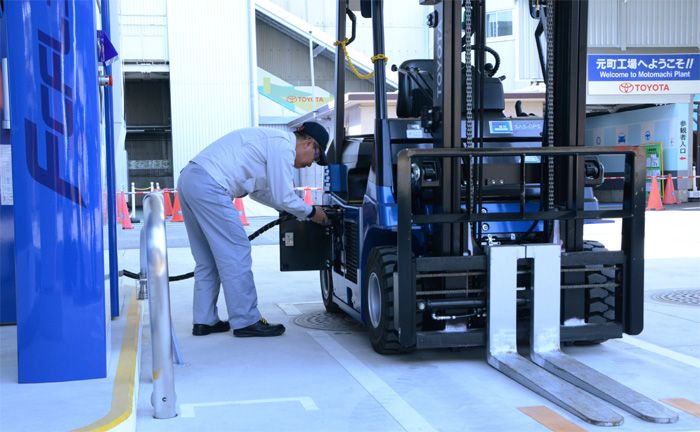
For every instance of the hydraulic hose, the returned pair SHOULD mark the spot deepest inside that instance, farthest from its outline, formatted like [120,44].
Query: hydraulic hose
[262,229]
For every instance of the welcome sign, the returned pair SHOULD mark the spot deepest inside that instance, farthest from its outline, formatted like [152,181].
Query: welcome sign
[651,74]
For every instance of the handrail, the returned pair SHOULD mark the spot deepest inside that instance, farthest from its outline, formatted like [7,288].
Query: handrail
[163,397]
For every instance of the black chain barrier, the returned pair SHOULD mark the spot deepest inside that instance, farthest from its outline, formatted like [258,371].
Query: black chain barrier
[262,229]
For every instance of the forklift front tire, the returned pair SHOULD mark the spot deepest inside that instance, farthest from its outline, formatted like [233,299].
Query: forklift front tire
[379,301]
[327,291]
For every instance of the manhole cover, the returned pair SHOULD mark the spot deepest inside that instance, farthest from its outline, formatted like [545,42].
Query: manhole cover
[689,297]
[322,320]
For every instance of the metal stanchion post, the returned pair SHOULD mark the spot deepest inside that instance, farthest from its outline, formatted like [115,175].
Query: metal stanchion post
[133,201]
[163,397]
[143,271]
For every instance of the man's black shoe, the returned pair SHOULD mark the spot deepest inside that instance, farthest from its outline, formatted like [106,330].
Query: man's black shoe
[261,328]
[203,329]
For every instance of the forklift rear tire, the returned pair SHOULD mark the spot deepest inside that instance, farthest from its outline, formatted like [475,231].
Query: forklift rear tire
[600,301]
[327,291]
[379,301]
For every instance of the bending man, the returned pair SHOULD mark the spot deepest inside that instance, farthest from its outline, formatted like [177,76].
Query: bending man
[258,162]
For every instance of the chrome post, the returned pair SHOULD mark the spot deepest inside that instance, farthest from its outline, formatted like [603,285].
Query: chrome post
[143,270]
[163,397]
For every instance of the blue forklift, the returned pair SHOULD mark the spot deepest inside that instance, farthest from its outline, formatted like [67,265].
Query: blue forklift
[457,226]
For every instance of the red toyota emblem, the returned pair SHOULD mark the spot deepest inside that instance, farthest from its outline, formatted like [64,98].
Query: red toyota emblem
[626,87]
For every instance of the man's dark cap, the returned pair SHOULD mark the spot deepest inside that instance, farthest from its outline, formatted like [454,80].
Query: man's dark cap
[319,133]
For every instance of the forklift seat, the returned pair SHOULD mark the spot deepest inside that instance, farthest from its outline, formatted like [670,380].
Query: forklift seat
[415,87]
[357,158]
[416,83]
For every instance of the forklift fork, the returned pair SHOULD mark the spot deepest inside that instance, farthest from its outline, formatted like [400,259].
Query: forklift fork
[561,378]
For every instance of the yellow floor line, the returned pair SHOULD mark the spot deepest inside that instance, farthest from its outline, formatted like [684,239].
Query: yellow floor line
[686,405]
[550,419]
[123,390]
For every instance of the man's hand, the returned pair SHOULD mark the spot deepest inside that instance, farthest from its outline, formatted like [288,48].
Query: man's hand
[320,216]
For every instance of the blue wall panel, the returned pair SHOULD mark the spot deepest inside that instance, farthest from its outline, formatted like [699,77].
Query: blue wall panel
[8,300]
[57,187]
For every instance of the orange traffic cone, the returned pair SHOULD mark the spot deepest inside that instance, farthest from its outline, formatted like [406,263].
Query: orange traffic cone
[125,218]
[670,192]
[177,210]
[168,204]
[654,202]
[238,204]
[119,208]
[307,196]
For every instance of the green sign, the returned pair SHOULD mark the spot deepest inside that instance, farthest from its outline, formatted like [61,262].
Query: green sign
[655,163]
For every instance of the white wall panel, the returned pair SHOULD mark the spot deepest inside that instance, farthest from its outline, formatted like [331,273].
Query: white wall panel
[120,165]
[210,73]
[603,23]
[669,23]
[528,63]
[406,33]
[643,23]
[144,30]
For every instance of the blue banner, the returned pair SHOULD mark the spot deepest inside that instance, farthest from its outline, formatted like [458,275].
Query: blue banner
[56,162]
[643,67]
[8,300]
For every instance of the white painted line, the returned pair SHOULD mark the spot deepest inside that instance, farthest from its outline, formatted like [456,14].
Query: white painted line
[682,358]
[398,408]
[291,309]
[187,410]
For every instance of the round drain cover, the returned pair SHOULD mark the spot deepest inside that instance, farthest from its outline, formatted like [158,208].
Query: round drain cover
[689,297]
[322,320]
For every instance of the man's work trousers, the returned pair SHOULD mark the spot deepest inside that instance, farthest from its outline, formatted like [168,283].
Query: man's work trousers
[220,248]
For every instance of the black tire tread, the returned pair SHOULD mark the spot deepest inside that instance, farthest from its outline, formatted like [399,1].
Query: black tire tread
[601,300]
[386,339]
[328,303]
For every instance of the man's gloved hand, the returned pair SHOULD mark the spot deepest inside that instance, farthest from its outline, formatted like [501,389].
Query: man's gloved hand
[320,216]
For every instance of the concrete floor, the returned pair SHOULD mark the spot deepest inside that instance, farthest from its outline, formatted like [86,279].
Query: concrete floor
[314,380]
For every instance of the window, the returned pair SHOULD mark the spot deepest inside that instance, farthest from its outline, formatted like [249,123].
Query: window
[499,24]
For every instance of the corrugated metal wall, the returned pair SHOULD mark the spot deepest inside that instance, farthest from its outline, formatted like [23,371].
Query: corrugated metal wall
[644,24]
[603,23]
[405,31]
[144,30]
[211,84]
[287,58]
[670,23]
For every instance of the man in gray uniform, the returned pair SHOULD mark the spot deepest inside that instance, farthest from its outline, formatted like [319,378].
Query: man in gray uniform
[258,162]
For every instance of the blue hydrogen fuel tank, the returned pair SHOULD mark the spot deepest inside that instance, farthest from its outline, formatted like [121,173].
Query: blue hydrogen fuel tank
[58,196]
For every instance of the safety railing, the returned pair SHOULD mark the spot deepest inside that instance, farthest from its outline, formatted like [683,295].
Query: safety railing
[154,262]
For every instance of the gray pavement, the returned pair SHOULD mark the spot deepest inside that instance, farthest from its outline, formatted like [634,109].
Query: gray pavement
[315,380]
[332,380]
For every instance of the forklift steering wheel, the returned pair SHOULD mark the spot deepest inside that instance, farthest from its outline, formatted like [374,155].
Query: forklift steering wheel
[488,67]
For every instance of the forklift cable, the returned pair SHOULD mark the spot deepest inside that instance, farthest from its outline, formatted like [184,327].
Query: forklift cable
[262,229]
